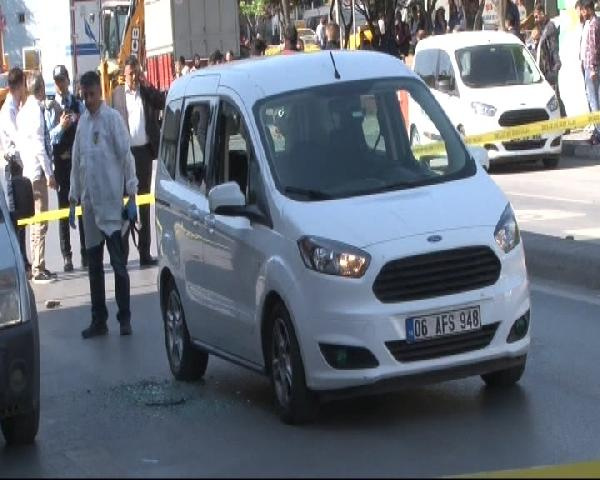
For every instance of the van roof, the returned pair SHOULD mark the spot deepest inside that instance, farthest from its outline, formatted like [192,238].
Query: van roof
[455,41]
[257,78]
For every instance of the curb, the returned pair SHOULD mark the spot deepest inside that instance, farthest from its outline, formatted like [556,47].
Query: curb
[575,262]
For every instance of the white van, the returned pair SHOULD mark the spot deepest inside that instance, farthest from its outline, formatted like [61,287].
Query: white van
[486,81]
[299,235]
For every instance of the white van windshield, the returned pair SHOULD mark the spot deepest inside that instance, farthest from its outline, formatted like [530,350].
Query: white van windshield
[353,138]
[496,66]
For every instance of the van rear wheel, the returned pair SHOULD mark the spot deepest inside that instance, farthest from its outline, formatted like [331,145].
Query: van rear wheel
[21,429]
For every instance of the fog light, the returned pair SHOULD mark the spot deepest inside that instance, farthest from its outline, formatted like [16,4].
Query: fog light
[343,357]
[490,146]
[519,328]
[555,142]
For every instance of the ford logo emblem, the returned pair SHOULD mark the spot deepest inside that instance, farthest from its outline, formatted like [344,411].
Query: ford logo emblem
[434,238]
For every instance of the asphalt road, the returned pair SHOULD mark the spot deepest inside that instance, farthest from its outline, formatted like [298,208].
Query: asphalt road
[562,202]
[111,408]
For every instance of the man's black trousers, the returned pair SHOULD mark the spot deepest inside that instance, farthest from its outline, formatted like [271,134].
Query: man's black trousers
[62,175]
[143,168]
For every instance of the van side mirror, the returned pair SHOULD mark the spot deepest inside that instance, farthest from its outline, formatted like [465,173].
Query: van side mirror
[445,85]
[480,155]
[226,198]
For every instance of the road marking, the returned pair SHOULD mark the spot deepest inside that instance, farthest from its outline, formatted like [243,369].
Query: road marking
[537,215]
[572,470]
[547,197]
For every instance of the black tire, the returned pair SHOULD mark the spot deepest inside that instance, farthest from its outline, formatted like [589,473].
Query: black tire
[187,363]
[301,405]
[551,162]
[504,378]
[22,429]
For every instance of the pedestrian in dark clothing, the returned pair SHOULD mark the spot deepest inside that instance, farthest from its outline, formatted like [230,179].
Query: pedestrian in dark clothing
[547,53]
[440,26]
[332,31]
[402,37]
[512,18]
[290,40]
[140,104]
[102,165]
[62,116]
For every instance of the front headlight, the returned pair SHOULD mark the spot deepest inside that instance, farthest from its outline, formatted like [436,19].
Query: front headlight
[483,109]
[553,104]
[507,233]
[10,308]
[333,258]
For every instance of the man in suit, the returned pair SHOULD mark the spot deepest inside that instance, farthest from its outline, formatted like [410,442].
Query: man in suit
[140,104]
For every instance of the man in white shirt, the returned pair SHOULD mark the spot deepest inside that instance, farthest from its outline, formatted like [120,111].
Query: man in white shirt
[320,32]
[8,141]
[140,104]
[33,143]
[101,165]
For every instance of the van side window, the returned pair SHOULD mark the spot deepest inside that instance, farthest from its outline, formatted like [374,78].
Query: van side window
[446,70]
[193,153]
[168,146]
[425,66]
[234,150]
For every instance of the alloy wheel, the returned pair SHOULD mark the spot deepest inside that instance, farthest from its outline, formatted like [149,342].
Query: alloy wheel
[282,362]
[174,329]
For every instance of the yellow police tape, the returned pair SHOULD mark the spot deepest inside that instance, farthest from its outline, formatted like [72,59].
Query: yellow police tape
[515,133]
[146,199]
[573,470]
[509,133]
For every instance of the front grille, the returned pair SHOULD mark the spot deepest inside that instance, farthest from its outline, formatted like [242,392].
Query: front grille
[524,145]
[512,118]
[434,274]
[441,347]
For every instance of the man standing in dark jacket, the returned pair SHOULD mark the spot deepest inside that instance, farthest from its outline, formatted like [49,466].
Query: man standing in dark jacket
[140,104]
[547,56]
[62,115]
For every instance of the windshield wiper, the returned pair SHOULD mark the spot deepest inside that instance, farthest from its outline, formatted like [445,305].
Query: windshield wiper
[309,193]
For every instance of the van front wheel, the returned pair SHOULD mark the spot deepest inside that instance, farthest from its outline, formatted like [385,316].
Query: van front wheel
[296,403]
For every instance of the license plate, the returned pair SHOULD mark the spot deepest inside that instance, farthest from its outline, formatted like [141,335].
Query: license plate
[533,137]
[442,324]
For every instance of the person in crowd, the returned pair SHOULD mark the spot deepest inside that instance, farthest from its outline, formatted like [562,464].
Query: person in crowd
[17,92]
[184,66]
[229,56]
[320,32]
[290,40]
[258,48]
[216,58]
[197,65]
[591,61]
[36,152]
[512,18]
[532,41]
[440,26]
[102,166]
[547,54]
[332,32]
[456,16]
[62,116]
[418,23]
[140,105]
[402,37]
[179,66]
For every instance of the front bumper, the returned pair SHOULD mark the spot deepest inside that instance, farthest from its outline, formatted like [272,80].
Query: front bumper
[345,312]
[549,147]
[19,368]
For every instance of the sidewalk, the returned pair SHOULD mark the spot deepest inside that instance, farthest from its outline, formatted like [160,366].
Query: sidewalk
[577,145]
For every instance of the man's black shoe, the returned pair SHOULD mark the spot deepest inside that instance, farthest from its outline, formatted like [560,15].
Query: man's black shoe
[148,261]
[125,328]
[68,264]
[95,330]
